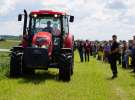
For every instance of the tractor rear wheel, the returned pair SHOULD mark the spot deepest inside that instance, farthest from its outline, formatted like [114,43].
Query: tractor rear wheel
[15,66]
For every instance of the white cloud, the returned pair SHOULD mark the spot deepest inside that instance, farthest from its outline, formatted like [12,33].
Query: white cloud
[6,6]
[94,19]
[116,5]
[11,28]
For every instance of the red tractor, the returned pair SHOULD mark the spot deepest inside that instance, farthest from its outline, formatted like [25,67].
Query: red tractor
[46,43]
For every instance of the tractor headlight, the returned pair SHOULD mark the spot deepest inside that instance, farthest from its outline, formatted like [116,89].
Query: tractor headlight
[36,46]
[55,15]
[35,15]
[45,46]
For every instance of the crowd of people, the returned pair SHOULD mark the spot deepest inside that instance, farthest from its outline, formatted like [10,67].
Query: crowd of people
[112,51]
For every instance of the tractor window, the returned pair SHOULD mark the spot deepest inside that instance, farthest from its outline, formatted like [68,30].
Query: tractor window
[65,25]
[40,24]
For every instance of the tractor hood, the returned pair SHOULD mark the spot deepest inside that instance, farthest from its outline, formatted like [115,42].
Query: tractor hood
[43,40]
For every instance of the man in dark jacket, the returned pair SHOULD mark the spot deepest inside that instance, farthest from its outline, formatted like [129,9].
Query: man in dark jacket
[113,56]
[133,55]
[48,28]
[87,48]
[80,49]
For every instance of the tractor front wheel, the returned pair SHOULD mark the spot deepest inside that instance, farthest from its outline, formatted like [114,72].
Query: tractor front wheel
[65,73]
[15,66]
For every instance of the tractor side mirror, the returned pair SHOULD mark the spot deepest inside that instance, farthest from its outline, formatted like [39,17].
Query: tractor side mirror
[71,19]
[19,17]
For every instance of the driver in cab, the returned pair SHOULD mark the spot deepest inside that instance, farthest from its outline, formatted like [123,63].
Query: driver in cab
[48,28]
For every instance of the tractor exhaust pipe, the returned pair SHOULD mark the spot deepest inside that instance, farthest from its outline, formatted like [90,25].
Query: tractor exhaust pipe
[25,23]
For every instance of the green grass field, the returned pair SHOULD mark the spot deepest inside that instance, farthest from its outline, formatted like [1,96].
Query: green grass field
[8,44]
[91,81]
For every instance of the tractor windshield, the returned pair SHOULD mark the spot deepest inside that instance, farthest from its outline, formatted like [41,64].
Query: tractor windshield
[46,23]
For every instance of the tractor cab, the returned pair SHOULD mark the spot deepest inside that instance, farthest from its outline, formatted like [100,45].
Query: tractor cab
[46,22]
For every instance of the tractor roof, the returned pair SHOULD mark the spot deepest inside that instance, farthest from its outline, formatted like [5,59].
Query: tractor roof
[48,12]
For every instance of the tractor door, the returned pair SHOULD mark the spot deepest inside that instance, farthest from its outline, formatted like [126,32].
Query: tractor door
[65,29]
[65,26]
[59,40]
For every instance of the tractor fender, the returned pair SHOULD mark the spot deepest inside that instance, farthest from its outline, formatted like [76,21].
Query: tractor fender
[69,41]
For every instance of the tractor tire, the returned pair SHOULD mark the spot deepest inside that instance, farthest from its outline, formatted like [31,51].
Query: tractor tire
[15,66]
[65,73]
[72,66]
[72,72]
[65,67]
[72,63]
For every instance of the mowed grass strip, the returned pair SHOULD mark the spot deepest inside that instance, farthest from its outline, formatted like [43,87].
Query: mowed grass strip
[91,81]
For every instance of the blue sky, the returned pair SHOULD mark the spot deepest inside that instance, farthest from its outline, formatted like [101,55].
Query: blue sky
[94,19]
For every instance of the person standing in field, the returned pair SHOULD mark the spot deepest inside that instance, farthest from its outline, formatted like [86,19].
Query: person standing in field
[87,48]
[124,55]
[100,52]
[133,54]
[80,49]
[106,51]
[94,49]
[113,56]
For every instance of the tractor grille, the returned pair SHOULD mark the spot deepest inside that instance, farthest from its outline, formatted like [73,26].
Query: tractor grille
[35,57]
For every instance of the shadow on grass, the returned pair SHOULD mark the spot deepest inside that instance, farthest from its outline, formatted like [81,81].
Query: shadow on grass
[133,75]
[38,78]
[109,78]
